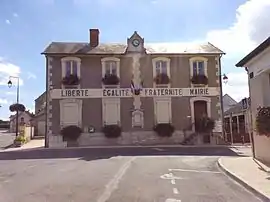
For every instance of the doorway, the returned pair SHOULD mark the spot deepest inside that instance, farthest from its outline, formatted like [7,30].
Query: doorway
[200,110]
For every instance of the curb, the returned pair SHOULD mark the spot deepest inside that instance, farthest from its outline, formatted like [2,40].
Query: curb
[242,182]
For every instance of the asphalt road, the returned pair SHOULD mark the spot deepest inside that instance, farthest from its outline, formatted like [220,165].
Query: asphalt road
[118,175]
[6,139]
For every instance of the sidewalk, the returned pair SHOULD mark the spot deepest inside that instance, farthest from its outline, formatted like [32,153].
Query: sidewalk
[33,144]
[252,174]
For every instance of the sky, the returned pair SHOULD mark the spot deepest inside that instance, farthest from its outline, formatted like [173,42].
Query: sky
[28,26]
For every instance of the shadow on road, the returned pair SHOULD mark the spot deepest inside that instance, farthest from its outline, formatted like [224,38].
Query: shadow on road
[89,154]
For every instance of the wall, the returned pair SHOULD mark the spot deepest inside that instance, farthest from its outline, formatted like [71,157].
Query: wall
[91,70]
[259,93]
[26,117]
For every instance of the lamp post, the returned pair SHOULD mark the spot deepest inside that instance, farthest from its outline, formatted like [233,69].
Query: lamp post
[17,100]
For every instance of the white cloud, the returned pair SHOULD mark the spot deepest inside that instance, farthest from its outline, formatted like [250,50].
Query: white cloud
[8,22]
[250,28]
[3,101]
[10,93]
[8,69]
[15,15]
[30,75]
[237,86]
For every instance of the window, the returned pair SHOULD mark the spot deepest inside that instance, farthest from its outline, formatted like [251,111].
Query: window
[198,68]
[161,67]
[111,67]
[71,67]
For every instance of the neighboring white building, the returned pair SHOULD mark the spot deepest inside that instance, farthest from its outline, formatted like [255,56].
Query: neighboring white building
[24,117]
[257,64]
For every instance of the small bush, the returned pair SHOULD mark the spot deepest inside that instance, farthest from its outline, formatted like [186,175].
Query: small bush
[263,121]
[110,79]
[71,133]
[199,79]
[71,80]
[17,107]
[162,79]
[164,129]
[205,125]
[112,131]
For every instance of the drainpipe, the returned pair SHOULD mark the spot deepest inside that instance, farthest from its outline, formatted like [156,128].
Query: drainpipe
[221,98]
[251,134]
[46,105]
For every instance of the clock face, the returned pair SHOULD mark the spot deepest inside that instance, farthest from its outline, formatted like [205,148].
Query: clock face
[136,42]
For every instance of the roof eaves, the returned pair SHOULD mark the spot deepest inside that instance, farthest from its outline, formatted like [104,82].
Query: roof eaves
[265,44]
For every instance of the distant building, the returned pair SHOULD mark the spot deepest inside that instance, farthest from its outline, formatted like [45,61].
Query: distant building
[39,117]
[228,102]
[24,118]
[237,123]
[257,64]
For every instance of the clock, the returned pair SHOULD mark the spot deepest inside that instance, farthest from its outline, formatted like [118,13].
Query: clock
[136,42]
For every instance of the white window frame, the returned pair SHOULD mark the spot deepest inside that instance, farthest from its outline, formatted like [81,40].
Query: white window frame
[198,59]
[154,63]
[66,59]
[108,59]
[63,65]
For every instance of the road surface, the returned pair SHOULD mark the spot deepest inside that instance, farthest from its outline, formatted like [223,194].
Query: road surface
[118,175]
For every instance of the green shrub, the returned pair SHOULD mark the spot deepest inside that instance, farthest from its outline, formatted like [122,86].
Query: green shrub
[164,129]
[112,131]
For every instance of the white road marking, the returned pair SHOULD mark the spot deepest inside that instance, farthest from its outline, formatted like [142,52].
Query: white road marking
[175,191]
[195,171]
[173,181]
[112,185]
[170,176]
[172,200]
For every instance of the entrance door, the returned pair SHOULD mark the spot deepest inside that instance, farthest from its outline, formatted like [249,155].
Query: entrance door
[200,110]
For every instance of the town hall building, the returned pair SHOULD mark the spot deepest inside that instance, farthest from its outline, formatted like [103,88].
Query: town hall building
[135,85]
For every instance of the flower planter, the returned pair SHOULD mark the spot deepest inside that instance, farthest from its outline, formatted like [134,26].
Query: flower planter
[70,80]
[110,79]
[164,129]
[162,79]
[112,131]
[199,80]
[263,121]
[17,107]
[17,143]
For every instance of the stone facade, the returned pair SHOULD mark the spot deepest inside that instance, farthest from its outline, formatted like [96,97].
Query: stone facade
[136,65]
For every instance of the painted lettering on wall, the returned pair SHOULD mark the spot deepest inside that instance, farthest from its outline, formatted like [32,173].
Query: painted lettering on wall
[163,92]
[199,91]
[74,93]
[116,92]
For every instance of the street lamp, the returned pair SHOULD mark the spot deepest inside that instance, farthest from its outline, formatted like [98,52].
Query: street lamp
[17,100]
[225,78]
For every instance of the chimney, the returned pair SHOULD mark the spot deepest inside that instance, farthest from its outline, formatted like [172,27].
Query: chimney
[94,37]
